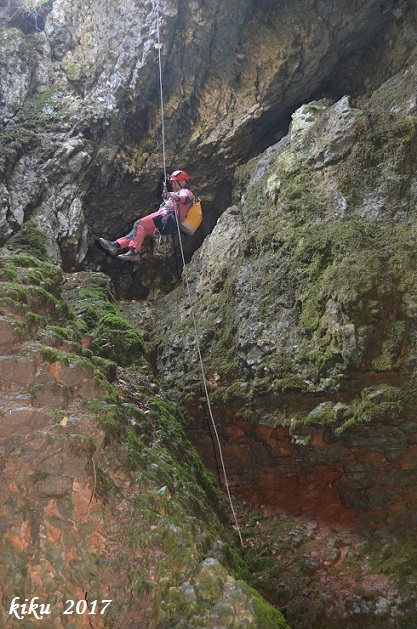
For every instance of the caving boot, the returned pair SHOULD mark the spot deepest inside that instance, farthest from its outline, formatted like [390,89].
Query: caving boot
[113,248]
[130,256]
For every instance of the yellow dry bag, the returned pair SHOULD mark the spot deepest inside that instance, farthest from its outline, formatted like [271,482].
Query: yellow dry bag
[193,217]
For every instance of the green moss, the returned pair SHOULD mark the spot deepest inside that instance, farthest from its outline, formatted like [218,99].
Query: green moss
[220,361]
[345,264]
[72,71]
[40,108]
[393,340]
[41,275]
[321,415]
[171,460]
[91,305]
[34,321]
[178,512]
[25,294]
[10,306]
[109,413]
[17,141]
[31,240]
[115,339]
[26,261]
[32,296]
[105,485]
[42,301]
[53,355]
[64,333]
[329,261]
[380,157]
[13,291]
[298,198]
[16,326]
[381,404]
[82,444]
[106,366]
[396,558]
[266,615]
[39,475]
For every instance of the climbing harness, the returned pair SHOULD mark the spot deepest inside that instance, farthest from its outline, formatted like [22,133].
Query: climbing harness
[162,247]
[165,224]
[200,358]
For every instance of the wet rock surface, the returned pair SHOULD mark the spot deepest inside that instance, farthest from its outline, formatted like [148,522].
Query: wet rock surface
[97,516]
[307,338]
[319,574]
[303,287]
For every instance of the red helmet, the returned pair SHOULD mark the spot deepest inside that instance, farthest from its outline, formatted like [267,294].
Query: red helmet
[179,175]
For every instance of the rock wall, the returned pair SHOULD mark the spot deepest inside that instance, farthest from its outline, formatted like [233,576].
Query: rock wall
[303,287]
[81,145]
[304,296]
[109,518]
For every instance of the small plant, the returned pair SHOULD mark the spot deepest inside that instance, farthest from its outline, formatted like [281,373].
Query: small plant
[39,475]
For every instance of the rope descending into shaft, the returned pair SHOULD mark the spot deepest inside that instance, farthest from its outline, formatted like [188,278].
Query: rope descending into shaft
[161,94]
[189,294]
[203,377]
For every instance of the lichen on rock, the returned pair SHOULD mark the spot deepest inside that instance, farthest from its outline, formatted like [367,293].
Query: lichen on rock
[314,315]
[102,491]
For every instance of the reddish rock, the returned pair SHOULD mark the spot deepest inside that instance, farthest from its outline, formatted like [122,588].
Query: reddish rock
[24,421]
[9,338]
[16,370]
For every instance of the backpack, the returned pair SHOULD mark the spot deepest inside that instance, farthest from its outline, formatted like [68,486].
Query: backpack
[193,218]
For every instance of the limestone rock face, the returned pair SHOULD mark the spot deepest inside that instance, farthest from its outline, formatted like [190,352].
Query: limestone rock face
[297,123]
[80,104]
[303,295]
[15,70]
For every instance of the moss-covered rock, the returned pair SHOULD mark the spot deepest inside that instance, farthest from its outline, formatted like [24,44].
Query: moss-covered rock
[107,468]
[30,240]
[321,284]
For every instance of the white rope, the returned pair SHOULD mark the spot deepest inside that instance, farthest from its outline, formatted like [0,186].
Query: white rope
[189,294]
[161,93]
[203,376]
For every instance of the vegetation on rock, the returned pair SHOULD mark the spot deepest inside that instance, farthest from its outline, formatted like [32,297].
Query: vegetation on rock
[108,471]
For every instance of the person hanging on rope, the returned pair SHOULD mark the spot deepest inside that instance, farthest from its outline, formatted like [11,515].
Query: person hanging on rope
[174,206]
